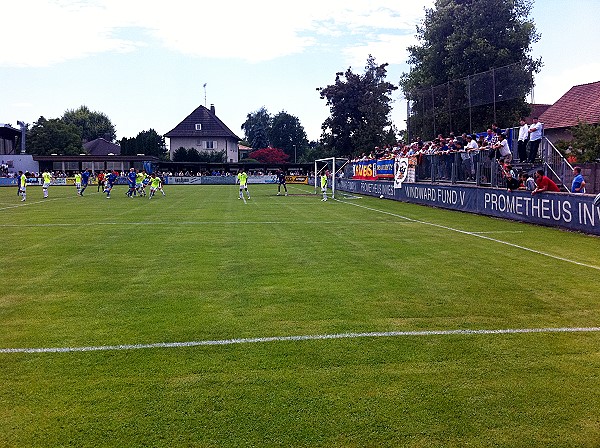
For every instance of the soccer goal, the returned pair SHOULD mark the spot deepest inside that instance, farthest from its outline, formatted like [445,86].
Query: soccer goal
[335,168]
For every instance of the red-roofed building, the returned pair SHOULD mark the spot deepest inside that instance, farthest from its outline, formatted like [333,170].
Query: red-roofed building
[580,103]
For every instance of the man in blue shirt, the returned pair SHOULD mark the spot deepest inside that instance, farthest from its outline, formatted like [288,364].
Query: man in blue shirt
[110,181]
[131,177]
[85,179]
[578,185]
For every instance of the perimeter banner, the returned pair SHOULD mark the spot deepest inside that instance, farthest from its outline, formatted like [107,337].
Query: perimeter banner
[385,169]
[365,169]
[400,171]
[296,180]
[566,210]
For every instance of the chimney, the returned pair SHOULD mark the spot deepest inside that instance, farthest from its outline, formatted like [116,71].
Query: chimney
[212,108]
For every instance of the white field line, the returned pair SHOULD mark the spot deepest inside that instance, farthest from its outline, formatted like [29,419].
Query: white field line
[50,199]
[376,334]
[189,223]
[475,234]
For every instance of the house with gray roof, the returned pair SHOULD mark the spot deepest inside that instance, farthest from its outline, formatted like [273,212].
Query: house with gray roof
[205,132]
[101,147]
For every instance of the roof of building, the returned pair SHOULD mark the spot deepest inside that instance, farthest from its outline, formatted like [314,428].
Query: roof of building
[101,147]
[210,126]
[580,103]
[7,131]
[536,111]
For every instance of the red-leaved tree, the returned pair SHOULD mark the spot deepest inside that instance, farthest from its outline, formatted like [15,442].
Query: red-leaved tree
[269,155]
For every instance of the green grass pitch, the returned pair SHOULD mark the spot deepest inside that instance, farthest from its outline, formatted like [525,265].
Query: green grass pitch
[258,295]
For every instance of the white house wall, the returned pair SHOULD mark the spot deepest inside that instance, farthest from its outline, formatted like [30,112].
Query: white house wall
[228,145]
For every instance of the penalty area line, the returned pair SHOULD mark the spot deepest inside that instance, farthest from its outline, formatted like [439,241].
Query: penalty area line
[375,334]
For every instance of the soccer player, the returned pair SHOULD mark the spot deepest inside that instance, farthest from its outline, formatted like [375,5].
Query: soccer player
[160,185]
[109,182]
[47,180]
[85,180]
[22,185]
[280,182]
[155,184]
[324,185]
[242,179]
[78,183]
[139,183]
[131,180]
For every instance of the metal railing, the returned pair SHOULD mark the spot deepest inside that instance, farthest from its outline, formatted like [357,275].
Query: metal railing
[555,165]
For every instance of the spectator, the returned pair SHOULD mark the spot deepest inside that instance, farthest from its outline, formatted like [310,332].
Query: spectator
[512,183]
[530,183]
[578,185]
[544,183]
[522,142]
[505,156]
[535,137]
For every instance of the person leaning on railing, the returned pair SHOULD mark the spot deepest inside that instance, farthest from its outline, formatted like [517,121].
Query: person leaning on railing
[544,183]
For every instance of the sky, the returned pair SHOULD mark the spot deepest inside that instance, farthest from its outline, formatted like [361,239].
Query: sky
[148,65]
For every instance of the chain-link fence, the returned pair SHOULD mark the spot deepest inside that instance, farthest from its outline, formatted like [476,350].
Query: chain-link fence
[451,105]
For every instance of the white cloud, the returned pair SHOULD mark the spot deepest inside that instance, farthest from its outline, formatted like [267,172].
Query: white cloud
[388,48]
[53,31]
[551,85]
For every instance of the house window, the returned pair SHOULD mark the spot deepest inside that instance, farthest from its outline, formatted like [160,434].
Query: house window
[198,126]
[210,145]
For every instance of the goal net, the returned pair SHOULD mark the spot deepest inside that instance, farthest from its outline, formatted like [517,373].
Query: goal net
[334,167]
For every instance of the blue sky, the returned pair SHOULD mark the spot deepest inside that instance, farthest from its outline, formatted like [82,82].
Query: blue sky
[144,63]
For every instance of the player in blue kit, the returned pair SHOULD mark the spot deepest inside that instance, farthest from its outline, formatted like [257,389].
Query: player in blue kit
[85,179]
[110,181]
[131,179]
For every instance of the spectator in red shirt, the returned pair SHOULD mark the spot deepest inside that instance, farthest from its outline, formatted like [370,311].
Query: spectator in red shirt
[544,183]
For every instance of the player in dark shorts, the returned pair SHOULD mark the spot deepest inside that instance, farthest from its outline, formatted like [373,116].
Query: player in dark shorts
[280,182]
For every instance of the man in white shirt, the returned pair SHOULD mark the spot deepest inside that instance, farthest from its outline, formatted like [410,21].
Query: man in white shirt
[535,138]
[467,154]
[502,147]
[522,142]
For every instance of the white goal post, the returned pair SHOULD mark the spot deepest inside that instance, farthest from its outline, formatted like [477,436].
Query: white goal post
[335,165]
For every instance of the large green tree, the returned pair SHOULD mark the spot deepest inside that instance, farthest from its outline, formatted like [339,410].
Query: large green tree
[91,125]
[53,136]
[288,134]
[147,142]
[462,38]
[256,128]
[360,105]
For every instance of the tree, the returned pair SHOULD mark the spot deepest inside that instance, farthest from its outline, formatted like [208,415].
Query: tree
[256,128]
[288,134]
[147,142]
[359,110]
[91,125]
[585,146]
[462,38]
[269,155]
[180,155]
[53,136]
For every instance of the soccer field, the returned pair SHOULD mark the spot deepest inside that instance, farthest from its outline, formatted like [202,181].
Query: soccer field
[198,319]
